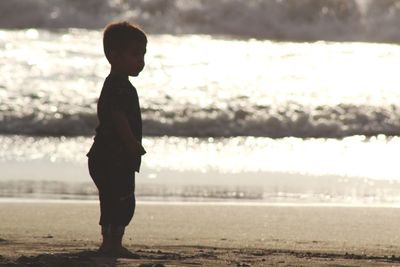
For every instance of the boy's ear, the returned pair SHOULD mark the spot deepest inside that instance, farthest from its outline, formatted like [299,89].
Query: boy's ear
[114,56]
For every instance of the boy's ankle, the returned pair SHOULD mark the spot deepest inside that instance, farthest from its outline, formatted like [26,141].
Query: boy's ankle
[112,238]
[116,234]
[116,229]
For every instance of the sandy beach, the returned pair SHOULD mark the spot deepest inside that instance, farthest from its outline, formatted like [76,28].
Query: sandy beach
[202,234]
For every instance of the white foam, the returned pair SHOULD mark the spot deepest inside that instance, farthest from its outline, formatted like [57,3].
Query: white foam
[50,87]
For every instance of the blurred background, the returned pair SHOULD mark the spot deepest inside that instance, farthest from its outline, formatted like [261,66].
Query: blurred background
[281,101]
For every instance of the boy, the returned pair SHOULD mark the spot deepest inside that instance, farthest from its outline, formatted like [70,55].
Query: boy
[116,152]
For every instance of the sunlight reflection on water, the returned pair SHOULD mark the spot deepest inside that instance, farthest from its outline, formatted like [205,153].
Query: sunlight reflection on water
[273,89]
[356,156]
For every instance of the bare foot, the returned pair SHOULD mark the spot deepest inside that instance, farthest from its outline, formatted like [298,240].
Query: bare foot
[123,252]
[104,249]
[119,252]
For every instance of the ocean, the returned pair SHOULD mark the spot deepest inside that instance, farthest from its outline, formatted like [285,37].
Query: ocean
[263,101]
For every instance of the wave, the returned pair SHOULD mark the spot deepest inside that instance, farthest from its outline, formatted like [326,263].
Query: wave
[292,120]
[365,20]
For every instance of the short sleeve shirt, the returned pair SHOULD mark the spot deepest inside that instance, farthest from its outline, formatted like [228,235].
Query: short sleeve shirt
[117,94]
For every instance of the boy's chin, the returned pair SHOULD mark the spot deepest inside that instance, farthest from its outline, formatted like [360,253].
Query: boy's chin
[134,74]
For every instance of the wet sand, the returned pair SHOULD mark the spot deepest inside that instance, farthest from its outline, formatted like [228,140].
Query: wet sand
[202,234]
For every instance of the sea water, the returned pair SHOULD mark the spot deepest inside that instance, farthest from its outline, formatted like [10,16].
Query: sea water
[225,115]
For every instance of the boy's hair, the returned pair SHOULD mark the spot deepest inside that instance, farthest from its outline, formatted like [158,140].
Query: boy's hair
[117,37]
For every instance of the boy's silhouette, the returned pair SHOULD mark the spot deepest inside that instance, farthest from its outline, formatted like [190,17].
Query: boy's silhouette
[116,152]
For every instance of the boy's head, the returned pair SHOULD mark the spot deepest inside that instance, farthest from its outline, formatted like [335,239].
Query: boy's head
[125,46]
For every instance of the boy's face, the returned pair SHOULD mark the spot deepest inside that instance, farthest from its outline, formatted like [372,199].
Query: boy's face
[131,61]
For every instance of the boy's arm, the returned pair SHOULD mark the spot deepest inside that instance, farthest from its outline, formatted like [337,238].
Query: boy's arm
[124,131]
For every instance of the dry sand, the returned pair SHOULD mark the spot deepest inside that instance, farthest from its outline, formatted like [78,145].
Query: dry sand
[203,234]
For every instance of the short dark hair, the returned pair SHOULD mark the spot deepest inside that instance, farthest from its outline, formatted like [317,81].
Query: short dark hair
[117,37]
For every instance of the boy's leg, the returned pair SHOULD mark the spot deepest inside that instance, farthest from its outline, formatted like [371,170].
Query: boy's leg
[99,170]
[113,221]
[112,237]
[117,196]
[124,209]
[116,235]
[106,245]
[126,201]
[118,207]
[116,187]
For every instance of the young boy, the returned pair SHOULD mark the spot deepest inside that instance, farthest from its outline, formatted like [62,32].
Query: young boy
[116,152]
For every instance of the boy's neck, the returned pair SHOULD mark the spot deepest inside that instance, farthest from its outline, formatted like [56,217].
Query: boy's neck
[117,72]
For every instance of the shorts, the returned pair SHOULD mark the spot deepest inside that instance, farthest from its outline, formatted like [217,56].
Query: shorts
[116,185]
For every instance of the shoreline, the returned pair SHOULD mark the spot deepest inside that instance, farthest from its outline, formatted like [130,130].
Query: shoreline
[159,201]
[203,234]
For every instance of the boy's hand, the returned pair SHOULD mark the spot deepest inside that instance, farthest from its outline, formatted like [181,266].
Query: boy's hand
[124,131]
[141,150]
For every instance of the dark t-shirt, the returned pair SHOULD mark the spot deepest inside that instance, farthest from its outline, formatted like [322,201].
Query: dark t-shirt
[117,94]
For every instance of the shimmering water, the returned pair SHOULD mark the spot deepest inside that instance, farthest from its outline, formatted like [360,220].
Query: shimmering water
[351,170]
[203,86]
[372,158]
